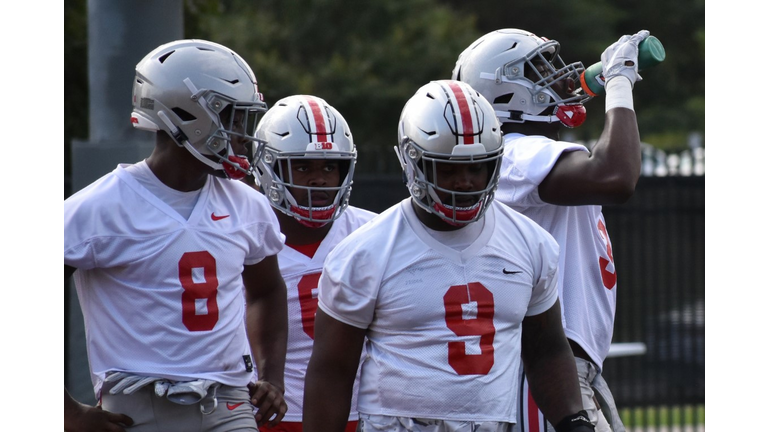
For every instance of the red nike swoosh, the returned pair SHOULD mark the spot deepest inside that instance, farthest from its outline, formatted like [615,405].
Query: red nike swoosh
[214,217]
[231,406]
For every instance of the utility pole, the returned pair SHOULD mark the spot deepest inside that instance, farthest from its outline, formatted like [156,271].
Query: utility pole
[120,33]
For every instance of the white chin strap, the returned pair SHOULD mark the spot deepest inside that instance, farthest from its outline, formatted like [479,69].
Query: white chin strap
[199,156]
[203,159]
[528,117]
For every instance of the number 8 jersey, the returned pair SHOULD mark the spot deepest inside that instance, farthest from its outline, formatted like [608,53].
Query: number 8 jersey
[444,326]
[162,295]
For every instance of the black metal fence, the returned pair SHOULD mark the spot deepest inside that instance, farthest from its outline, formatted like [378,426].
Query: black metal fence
[658,244]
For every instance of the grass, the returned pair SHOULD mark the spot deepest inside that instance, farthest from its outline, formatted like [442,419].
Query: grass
[662,416]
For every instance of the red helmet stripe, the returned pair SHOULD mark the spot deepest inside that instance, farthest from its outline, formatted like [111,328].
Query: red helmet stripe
[467,124]
[320,120]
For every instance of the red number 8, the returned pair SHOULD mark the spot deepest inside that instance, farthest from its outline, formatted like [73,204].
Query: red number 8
[198,290]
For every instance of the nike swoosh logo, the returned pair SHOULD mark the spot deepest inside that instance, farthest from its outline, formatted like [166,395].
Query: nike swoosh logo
[231,406]
[214,217]
[510,272]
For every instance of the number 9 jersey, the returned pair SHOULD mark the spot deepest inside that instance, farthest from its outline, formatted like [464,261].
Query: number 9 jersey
[162,295]
[444,325]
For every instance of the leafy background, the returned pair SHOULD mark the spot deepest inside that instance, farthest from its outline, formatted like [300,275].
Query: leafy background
[368,58]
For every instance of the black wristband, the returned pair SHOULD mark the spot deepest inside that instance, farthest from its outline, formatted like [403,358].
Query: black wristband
[578,422]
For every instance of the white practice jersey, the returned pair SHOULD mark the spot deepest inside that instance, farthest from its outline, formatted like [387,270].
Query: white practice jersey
[444,326]
[301,274]
[161,295]
[587,275]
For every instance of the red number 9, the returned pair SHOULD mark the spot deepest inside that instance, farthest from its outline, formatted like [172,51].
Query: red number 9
[609,279]
[482,325]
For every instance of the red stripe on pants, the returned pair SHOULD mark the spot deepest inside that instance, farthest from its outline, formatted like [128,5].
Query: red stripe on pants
[533,414]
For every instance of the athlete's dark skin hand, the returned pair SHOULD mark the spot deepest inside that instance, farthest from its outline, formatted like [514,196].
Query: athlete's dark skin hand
[85,418]
[269,401]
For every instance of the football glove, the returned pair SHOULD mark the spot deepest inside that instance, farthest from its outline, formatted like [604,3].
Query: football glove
[128,383]
[578,422]
[620,59]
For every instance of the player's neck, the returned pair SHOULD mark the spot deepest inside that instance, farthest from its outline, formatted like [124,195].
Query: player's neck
[177,168]
[299,234]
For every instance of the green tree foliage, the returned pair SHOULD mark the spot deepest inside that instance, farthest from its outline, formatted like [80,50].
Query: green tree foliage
[75,77]
[368,58]
[669,101]
[365,58]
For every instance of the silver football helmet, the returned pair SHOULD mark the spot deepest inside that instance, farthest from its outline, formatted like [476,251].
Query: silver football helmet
[516,71]
[448,121]
[304,127]
[203,95]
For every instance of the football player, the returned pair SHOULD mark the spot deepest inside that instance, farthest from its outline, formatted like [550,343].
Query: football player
[306,173]
[448,290]
[161,251]
[562,185]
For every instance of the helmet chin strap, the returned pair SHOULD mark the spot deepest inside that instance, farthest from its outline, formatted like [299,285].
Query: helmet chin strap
[453,216]
[324,215]
[526,117]
[540,118]
[312,217]
[570,115]
[456,216]
[235,168]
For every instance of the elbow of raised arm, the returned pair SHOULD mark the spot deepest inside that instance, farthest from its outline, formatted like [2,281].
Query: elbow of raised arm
[620,189]
[624,191]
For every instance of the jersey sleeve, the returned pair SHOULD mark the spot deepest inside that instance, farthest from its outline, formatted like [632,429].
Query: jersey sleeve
[267,239]
[79,255]
[527,162]
[78,249]
[349,283]
[545,290]
[82,222]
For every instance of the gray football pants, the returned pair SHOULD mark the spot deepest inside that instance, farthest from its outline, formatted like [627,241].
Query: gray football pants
[151,413]
[593,385]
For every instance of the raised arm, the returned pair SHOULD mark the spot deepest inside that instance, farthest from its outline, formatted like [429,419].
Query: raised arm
[331,374]
[609,174]
[550,366]
[267,324]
